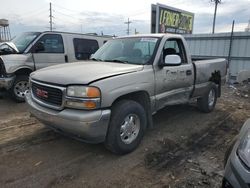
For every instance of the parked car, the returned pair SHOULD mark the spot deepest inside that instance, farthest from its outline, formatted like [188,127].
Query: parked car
[237,160]
[112,97]
[34,50]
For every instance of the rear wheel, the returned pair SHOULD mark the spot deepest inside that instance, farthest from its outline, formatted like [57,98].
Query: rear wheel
[127,126]
[208,101]
[19,87]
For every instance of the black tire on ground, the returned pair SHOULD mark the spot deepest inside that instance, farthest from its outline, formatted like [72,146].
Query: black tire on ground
[18,88]
[119,112]
[205,104]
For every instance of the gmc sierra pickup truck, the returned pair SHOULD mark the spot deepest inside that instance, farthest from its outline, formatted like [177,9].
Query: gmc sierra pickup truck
[112,97]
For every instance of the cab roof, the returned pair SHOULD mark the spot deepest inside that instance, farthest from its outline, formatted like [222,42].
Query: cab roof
[158,35]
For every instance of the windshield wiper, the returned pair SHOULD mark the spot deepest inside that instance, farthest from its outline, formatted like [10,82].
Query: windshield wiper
[117,61]
[94,59]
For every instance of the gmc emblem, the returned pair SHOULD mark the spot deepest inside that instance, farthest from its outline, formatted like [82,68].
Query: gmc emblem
[41,93]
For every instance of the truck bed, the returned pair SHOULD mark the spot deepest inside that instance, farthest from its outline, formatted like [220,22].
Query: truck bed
[205,68]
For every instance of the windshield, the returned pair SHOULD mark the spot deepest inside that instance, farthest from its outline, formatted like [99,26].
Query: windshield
[22,41]
[136,50]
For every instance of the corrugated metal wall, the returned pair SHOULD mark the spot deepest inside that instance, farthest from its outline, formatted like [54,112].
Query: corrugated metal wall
[217,45]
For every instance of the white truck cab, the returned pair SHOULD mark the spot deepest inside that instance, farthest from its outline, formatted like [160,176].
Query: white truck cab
[35,50]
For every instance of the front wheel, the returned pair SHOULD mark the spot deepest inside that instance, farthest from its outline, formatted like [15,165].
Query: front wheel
[19,87]
[127,126]
[208,101]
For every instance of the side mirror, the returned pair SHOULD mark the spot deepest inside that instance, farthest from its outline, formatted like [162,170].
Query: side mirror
[39,47]
[172,60]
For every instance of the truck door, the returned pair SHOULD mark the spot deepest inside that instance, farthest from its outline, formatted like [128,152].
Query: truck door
[49,50]
[174,83]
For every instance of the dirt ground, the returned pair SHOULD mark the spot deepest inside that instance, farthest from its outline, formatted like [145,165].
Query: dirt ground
[185,149]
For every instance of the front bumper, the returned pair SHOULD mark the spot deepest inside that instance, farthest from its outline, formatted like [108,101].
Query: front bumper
[90,126]
[6,82]
[236,174]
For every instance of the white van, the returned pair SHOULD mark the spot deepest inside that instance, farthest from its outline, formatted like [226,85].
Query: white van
[35,50]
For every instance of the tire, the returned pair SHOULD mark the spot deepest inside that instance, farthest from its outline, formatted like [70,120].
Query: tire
[20,85]
[126,128]
[208,101]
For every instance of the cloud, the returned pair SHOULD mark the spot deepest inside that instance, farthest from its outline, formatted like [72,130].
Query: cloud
[94,19]
[100,22]
[226,13]
[110,19]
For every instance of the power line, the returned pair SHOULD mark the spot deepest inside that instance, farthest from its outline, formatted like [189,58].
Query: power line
[34,12]
[67,15]
[70,10]
[215,12]
[67,21]
[137,12]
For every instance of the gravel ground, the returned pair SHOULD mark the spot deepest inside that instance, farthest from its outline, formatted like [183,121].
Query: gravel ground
[185,149]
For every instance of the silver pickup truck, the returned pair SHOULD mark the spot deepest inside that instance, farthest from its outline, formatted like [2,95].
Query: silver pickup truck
[112,97]
[35,50]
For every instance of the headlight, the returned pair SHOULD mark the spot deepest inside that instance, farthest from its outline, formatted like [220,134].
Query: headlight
[82,91]
[82,97]
[244,149]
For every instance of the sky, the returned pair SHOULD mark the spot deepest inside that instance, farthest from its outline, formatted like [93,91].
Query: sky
[108,16]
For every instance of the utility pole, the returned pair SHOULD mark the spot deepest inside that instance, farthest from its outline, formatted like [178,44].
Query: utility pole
[248,27]
[215,12]
[136,32]
[128,23]
[230,51]
[50,17]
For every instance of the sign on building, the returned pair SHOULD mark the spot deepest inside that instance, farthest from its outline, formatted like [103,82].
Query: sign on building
[165,19]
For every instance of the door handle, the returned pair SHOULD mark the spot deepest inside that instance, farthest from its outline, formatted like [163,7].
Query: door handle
[188,72]
[66,59]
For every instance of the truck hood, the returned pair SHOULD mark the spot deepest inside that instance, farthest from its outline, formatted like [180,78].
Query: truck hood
[11,45]
[82,72]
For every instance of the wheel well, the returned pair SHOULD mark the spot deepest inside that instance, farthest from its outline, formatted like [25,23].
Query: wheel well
[23,71]
[216,78]
[142,97]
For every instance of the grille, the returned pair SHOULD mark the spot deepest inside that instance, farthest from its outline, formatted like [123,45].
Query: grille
[47,94]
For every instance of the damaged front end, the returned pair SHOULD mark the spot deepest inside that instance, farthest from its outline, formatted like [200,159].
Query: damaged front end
[7,48]
[5,79]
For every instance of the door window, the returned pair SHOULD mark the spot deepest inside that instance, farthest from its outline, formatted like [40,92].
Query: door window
[175,47]
[53,43]
[84,48]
